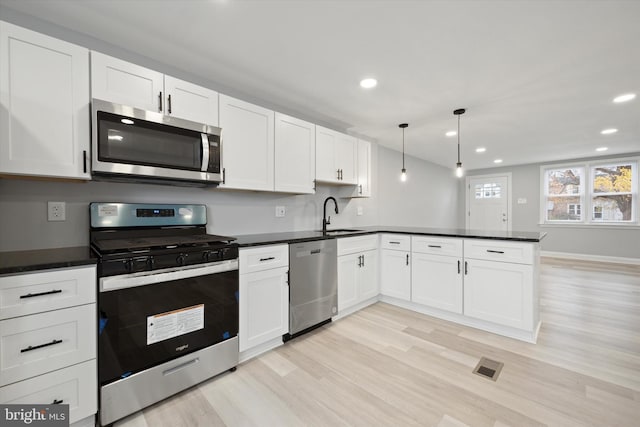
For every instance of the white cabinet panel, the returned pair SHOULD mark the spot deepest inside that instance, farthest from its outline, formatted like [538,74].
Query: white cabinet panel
[399,242]
[364,169]
[122,82]
[336,157]
[436,281]
[247,145]
[437,245]
[499,250]
[349,245]
[395,274]
[346,158]
[188,101]
[262,258]
[348,269]
[295,155]
[499,292]
[264,307]
[74,386]
[44,111]
[33,345]
[368,285]
[32,293]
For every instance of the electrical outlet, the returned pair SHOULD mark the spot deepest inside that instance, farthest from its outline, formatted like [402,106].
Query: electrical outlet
[56,211]
[522,201]
[280,211]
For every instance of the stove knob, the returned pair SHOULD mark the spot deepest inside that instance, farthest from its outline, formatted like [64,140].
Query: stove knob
[182,259]
[206,255]
[151,263]
[128,264]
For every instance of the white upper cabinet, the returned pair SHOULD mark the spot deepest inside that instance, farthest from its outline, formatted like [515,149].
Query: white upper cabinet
[247,145]
[122,82]
[363,187]
[336,157]
[295,155]
[44,97]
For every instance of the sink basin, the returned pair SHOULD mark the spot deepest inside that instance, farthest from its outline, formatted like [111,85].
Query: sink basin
[341,231]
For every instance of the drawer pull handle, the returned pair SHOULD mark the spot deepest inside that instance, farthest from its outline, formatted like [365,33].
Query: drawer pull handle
[35,347]
[394,243]
[466,268]
[495,252]
[181,366]
[57,401]
[458,266]
[435,246]
[39,294]
[407,259]
[267,259]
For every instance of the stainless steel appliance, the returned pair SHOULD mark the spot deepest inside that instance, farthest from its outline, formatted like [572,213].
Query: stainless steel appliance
[133,144]
[167,303]
[313,285]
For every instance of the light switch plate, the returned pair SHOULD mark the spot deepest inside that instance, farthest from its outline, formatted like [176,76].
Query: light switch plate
[56,211]
[360,211]
[280,211]
[522,201]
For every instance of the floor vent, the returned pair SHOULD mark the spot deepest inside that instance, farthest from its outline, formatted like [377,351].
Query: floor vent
[488,368]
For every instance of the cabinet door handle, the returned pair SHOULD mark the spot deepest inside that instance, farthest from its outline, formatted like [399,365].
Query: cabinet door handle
[57,401]
[169,104]
[224,175]
[160,101]
[35,347]
[84,161]
[466,268]
[363,260]
[435,246]
[407,259]
[39,294]
[495,252]
[338,174]
[458,266]
[360,188]
[267,258]
[359,260]
[394,243]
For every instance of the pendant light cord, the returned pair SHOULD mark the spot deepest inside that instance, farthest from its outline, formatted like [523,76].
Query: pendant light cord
[403,149]
[458,138]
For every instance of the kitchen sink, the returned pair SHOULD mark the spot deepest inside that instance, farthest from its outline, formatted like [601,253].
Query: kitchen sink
[341,231]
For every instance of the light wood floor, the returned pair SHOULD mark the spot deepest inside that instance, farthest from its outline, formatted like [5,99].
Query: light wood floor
[386,366]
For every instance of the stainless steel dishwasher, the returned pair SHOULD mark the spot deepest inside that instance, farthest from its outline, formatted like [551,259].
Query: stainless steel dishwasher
[313,285]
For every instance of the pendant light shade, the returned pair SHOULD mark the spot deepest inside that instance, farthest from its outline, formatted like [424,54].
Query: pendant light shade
[459,171]
[403,172]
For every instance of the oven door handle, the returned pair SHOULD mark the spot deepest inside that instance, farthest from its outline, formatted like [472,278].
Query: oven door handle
[151,277]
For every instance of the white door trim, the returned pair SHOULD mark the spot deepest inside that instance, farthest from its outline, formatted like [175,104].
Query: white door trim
[467,203]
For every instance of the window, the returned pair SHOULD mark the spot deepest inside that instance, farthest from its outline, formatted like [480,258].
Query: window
[591,193]
[488,191]
[563,194]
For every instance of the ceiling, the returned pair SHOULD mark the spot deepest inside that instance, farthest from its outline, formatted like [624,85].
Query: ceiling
[537,77]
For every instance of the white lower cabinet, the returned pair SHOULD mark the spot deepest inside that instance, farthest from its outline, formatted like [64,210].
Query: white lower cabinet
[264,297]
[357,278]
[395,274]
[499,292]
[48,339]
[437,281]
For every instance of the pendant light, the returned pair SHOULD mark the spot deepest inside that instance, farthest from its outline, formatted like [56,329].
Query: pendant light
[458,113]
[403,174]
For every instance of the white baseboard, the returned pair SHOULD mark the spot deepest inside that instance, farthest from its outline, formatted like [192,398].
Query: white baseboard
[259,349]
[587,257]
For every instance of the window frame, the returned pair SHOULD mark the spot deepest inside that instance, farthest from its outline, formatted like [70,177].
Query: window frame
[588,194]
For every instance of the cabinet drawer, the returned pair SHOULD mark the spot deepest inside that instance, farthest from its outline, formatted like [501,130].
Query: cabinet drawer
[75,386]
[33,345]
[33,293]
[436,245]
[263,258]
[401,242]
[498,250]
[350,245]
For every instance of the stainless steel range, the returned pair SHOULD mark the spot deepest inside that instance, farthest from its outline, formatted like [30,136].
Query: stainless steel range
[167,303]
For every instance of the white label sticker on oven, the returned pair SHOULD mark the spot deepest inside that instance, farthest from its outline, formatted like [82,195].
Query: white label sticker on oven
[174,323]
[108,210]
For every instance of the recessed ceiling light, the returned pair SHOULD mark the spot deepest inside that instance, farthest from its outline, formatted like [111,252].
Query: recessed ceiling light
[480,150]
[602,149]
[451,133]
[624,98]
[609,131]
[368,83]
[497,161]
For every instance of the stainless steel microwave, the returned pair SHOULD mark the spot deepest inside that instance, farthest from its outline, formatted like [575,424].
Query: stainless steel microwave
[137,145]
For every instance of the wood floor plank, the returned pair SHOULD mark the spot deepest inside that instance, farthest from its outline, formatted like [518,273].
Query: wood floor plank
[388,366]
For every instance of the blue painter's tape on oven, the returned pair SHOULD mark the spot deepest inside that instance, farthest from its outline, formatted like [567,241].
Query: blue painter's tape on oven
[237,294]
[226,335]
[102,324]
[126,374]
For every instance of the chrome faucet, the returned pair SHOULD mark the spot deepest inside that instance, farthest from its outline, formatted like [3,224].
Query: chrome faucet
[326,221]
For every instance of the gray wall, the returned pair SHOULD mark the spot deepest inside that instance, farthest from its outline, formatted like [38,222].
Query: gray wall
[429,197]
[589,240]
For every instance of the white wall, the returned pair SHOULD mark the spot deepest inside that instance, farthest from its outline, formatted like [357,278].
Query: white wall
[429,197]
[587,240]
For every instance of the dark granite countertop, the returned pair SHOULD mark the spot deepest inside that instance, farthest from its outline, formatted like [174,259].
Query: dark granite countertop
[41,259]
[302,236]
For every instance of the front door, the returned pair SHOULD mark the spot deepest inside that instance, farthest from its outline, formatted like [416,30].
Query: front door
[488,203]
